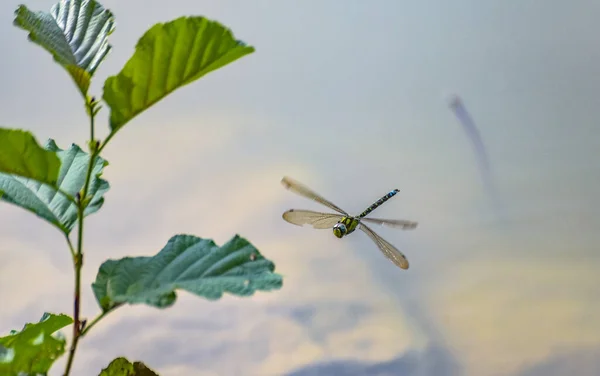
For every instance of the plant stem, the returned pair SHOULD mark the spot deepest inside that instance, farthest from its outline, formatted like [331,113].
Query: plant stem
[78,259]
[77,263]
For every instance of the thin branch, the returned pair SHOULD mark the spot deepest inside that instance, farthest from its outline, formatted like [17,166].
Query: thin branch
[78,257]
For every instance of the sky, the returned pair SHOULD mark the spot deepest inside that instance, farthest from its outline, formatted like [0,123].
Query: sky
[352,101]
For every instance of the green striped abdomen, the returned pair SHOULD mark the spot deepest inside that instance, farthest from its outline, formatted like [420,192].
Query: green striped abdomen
[378,203]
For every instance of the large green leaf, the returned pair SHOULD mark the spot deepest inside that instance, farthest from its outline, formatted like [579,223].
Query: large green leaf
[167,57]
[75,32]
[189,263]
[34,349]
[55,203]
[122,367]
[21,155]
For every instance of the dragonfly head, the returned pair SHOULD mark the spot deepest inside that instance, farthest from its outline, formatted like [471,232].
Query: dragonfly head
[339,230]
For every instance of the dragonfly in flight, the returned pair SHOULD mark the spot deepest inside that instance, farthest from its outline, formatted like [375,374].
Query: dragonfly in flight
[343,223]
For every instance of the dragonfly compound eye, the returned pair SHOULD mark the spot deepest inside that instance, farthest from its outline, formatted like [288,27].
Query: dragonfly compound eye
[339,230]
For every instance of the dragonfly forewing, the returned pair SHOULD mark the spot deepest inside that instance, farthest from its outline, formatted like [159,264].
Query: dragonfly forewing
[312,218]
[386,248]
[304,191]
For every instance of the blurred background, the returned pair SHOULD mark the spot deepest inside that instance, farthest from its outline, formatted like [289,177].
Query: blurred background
[350,99]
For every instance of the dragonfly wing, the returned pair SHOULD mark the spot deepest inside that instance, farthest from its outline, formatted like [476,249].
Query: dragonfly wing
[388,250]
[308,217]
[303,190]
[395,223]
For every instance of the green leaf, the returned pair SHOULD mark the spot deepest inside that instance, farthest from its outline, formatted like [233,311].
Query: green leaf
[21,155]
[122,367]
[34,349]
[75,32]
[167,57]
[56,203]
[189,263]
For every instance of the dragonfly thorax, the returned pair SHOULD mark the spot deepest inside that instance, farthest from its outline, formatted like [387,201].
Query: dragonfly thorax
[345,226]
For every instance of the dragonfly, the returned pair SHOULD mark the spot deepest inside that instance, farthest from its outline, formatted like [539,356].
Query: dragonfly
[344,224]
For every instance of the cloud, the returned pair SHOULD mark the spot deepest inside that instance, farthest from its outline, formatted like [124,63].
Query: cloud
[29,284]
[434,360]
[325,318]
[502,313]
[584,361]
[242,336]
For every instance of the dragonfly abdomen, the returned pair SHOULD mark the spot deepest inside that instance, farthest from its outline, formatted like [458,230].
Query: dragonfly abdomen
[378,203]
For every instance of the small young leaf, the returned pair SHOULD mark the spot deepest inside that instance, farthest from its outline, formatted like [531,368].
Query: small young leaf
[55,203]
[122,367]
[189,263]
[75,32]
[21,155]
[167,57]
[34,349]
